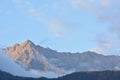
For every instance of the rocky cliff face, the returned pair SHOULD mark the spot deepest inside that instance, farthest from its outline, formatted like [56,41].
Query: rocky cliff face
[27,55]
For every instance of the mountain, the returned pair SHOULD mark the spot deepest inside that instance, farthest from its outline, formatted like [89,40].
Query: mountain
[97,75]
[7,64]
[101,75]
[31,56]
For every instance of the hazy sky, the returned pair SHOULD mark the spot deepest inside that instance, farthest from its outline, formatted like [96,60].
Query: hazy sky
[62,25]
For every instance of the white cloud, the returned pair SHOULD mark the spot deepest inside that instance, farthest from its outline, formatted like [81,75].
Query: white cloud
[106,43]
[22,3]
[56,27]
[26,6]
[107,11]
[16,1]
[95,6]
[105,3]
[86,4]
[35,13]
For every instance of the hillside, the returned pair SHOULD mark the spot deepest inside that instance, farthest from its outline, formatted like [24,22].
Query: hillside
[102,75]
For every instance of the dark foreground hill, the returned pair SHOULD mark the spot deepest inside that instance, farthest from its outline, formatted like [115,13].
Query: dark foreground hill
[102,75]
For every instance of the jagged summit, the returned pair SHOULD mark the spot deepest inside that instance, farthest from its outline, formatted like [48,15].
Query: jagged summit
[28,42]
[26,49]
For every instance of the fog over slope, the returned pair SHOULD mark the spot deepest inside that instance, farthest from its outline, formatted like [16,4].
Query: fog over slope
[7,64]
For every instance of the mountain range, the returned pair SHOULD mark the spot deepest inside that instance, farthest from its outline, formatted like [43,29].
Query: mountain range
[35,58]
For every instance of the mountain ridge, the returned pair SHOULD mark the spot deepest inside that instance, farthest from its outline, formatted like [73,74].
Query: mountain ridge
[31,56]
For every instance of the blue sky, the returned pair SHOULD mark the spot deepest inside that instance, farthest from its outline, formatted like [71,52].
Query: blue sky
[62,25]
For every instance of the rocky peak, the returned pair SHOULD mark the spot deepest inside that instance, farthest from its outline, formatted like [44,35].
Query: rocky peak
[27,45]
[28,42]
[25,49]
